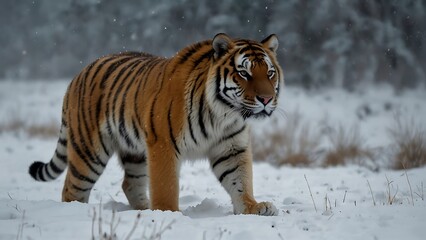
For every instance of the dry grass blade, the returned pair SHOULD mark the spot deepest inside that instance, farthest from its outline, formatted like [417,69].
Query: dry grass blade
[421,192]
[310,192]
[409,184]
[20,234]
[371,191]
[344,196]
[156,234]
[390,197]
[93,223]
[138,217]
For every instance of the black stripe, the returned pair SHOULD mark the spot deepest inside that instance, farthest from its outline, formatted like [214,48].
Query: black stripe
[239,93]
[191,51]
[136,176]
[98,107]
[218,95]
[123,130]
[104,147]
[47,172]
[80,189]
[149,69]
[64,123]
[63,142]
[233,134]
[55,168]
[169,123]
[121,123]
[111,69]
[86,150]
[159,88]
[191,131]
[225,88]
[224,158]
[79,176]
[227,172]
[279,83]
[206,55]
[91,155]
[61,157]
[133,159]
[135,129]
[119,79]
[101,64]
[191,103]
[122,79]
[40,173]
[151,119]
[201,116]
[91,80]
[241,42]
[107,107]
[251,47]
[211,117]
[84,118]
[104,78]
[122,127]
[92,90]
[248,55]
[109,126]
[138,89]
[98,113]
[78,82]
[80,154]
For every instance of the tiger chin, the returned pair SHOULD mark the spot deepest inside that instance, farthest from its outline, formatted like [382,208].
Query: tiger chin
[155,112]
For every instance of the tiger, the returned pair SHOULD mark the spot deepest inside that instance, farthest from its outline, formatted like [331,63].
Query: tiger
[155,112]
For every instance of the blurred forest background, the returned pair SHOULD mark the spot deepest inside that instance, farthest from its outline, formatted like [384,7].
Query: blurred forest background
[342,43]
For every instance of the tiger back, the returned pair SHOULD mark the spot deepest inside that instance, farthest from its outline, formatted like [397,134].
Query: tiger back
[155,112]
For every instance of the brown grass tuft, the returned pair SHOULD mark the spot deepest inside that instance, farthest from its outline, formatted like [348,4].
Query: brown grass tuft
[43,130]
[346,148]
[292,144]
[46,130]
[410,140]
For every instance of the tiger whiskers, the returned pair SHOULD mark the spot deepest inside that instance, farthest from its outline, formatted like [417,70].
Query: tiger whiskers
[281,112]
[246,113]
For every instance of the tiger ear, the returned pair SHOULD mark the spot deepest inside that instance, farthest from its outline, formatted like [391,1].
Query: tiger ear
[221,44]
[271,42]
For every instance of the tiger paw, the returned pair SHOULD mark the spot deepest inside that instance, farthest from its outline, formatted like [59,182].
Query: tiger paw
[263,209]
[141,204]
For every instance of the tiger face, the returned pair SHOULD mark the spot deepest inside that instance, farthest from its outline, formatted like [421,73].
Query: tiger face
[248,76]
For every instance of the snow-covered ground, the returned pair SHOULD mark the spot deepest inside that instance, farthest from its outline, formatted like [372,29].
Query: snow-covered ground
[343,196]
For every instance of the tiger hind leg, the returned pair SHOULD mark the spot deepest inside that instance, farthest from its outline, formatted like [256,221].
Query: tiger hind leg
[135,181]
[84,169]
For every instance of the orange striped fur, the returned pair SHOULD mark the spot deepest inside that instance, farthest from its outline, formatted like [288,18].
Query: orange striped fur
[155,112]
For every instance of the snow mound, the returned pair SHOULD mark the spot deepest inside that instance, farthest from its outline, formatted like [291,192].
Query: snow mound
[207,208]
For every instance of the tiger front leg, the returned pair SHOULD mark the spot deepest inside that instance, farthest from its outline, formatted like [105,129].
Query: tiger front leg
[234,171]
[163,167]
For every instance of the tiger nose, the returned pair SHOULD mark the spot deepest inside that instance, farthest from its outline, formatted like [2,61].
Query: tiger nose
[264,99]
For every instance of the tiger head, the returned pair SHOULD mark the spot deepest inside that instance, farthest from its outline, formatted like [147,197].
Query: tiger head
[247,75]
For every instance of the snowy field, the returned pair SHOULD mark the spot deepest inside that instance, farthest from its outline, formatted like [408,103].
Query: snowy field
[348,202]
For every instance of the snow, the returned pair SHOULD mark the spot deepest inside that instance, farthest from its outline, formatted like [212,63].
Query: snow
[33,210]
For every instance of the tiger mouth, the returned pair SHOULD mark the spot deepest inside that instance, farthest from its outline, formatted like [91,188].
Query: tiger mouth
[249,113]
[262,114]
